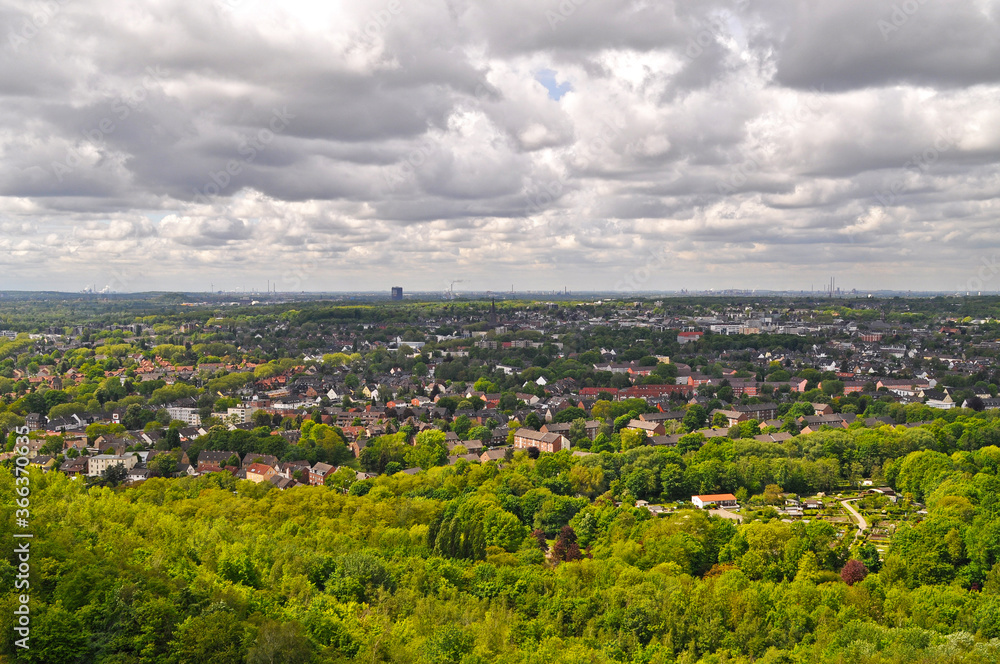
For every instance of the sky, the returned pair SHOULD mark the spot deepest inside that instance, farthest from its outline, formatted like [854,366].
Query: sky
[536,144]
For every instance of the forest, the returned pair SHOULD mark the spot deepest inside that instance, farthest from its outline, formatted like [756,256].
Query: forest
[531,560]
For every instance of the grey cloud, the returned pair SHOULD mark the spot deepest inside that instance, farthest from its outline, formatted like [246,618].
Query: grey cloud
[724,134]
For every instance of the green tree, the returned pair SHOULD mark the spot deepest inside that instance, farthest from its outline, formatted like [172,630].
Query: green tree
[57,636]
[212,638]
[632,438]
[429,450]
[532,421]
[695,418]
[114,475]
[280,643]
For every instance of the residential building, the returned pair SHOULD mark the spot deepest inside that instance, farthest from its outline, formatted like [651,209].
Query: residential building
[543,442]
[96,465]
[720,499]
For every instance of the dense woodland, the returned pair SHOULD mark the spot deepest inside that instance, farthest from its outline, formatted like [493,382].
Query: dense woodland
[529,562]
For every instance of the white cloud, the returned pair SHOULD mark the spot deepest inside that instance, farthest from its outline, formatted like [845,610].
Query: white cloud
[414,140]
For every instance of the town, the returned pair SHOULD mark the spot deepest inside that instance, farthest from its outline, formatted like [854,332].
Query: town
[164,395]
[497,446]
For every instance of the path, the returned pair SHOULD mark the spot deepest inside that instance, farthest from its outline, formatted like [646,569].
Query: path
[862,524]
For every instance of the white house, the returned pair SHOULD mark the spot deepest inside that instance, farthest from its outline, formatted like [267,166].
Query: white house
[98,464]
[720,499]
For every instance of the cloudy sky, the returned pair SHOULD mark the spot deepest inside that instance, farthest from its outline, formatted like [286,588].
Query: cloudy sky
[591,144]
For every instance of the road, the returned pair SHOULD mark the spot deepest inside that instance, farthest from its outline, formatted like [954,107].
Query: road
[862,524]
[726,514]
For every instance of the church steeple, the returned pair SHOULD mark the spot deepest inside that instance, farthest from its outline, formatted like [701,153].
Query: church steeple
[492,318]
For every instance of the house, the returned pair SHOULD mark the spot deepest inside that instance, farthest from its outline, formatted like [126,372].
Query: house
[471,458]
[74,467]
[720,499]
[290,467]
[778,437]
[319,472]
[215,458]
[139,474]
[813,423]
[544,442]
[282,482]
[260,472]
[688,337]
[665,416]
[357,446]
[562,429]
[34,421]
[189,416]
[493,455]
[759,412]
[96,465]
[732,417]
[266,459]
[191,433]
[46,463]
[651,428]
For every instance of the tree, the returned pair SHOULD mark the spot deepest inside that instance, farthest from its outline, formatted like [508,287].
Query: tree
[136,416]
[577,430]
[695,418]
[57,636]
[449,644]
[853,572]
[540,539]
[171,439]
[632,438]
[833,387]
[114,475]
[429,450]
[567,415]
[212,638]
[342,479]
[280,643]
[566,548]
[532,421]
[480,433]
[461,425]
[164,465]
[774,494]
[869,555]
